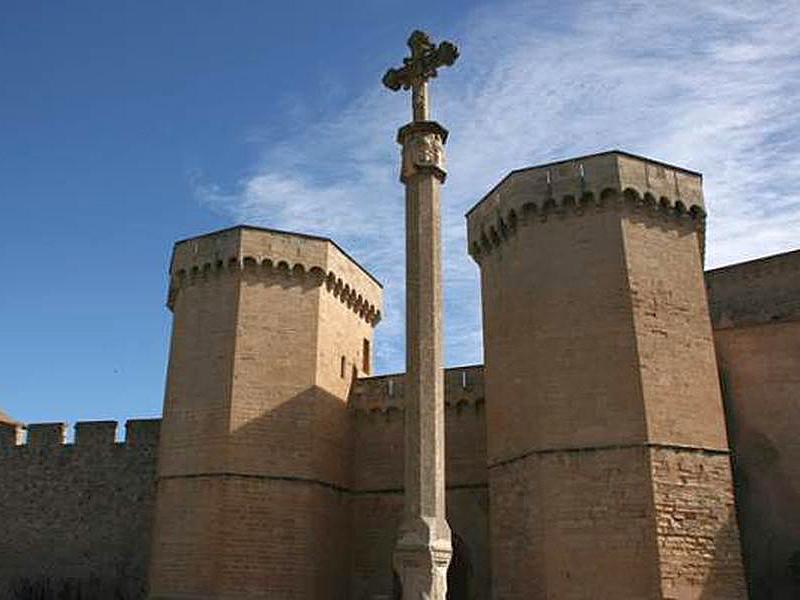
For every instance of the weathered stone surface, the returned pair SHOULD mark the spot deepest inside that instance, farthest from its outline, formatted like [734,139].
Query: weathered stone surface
[77,518]
[756,307]
[756,292]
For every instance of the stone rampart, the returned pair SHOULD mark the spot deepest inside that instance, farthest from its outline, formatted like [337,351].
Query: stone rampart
[755,307]
[760,291]
[463,387]
[376,406]
[76,517]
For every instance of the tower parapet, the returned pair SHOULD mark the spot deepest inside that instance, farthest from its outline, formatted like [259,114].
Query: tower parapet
[612,179]
[319,260]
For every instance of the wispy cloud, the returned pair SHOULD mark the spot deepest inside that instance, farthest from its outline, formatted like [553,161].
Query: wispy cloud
[710,85]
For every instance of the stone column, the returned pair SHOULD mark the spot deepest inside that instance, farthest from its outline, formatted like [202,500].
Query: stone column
[423,547]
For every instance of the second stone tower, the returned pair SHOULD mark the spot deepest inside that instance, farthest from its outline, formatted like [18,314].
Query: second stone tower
[609,468]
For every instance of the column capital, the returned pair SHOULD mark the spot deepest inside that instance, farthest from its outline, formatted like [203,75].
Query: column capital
[423,149]
[421,128]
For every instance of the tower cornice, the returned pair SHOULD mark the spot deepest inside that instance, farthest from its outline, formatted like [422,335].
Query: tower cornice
[607,181]
[299,273]
[274,255]
[491,234]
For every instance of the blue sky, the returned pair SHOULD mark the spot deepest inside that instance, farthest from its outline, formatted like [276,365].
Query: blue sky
[127,125]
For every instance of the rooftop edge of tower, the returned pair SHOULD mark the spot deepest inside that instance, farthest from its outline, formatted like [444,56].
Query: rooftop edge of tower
[585,157]
[244,246]
[580,182]
[280,232]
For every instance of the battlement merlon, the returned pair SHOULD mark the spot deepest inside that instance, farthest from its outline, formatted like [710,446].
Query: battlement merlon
[139,433]
[296,254]
[578,182]
[463,386]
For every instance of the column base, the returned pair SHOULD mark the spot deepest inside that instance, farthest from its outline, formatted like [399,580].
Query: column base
[421,562]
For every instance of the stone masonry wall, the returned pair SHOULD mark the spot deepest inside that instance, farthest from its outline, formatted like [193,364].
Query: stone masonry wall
[376,405]
[270,329]
[76,519]
[698,541]
[755,307]
[574,526]
[698,537]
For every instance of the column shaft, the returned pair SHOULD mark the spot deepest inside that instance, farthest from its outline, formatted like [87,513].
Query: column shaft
[424,472]
[423,547]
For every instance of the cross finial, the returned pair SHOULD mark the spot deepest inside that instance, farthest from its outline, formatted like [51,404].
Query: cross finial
[425,58]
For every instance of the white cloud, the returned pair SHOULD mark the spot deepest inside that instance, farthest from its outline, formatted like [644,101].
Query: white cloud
[709,85]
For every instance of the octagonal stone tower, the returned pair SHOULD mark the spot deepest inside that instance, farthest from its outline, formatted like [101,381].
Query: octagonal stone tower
[608,460]
[269,330]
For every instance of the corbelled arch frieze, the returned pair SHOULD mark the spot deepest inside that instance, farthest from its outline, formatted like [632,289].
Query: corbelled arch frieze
[528,212]
[297,273]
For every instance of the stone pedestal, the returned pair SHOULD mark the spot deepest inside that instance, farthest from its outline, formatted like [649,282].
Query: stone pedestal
[423,569]
[423,547]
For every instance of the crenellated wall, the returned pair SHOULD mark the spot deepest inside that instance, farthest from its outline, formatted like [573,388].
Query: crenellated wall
[76,519]
[80,514]
[376,405]
[307,469]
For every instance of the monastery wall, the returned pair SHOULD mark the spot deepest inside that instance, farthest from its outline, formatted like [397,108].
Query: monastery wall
[755,308]
[76,518]
[376,405]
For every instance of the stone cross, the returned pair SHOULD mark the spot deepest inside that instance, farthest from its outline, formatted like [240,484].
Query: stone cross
[425,58]
[424,548]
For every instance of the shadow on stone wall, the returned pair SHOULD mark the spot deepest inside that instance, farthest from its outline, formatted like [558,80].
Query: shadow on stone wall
[768,525]
[767,508]
[768,516]
[460,576]
[304,447]
[285,478]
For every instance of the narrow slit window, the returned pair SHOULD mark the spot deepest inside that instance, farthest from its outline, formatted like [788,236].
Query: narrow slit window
[365,357]
[343,367]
